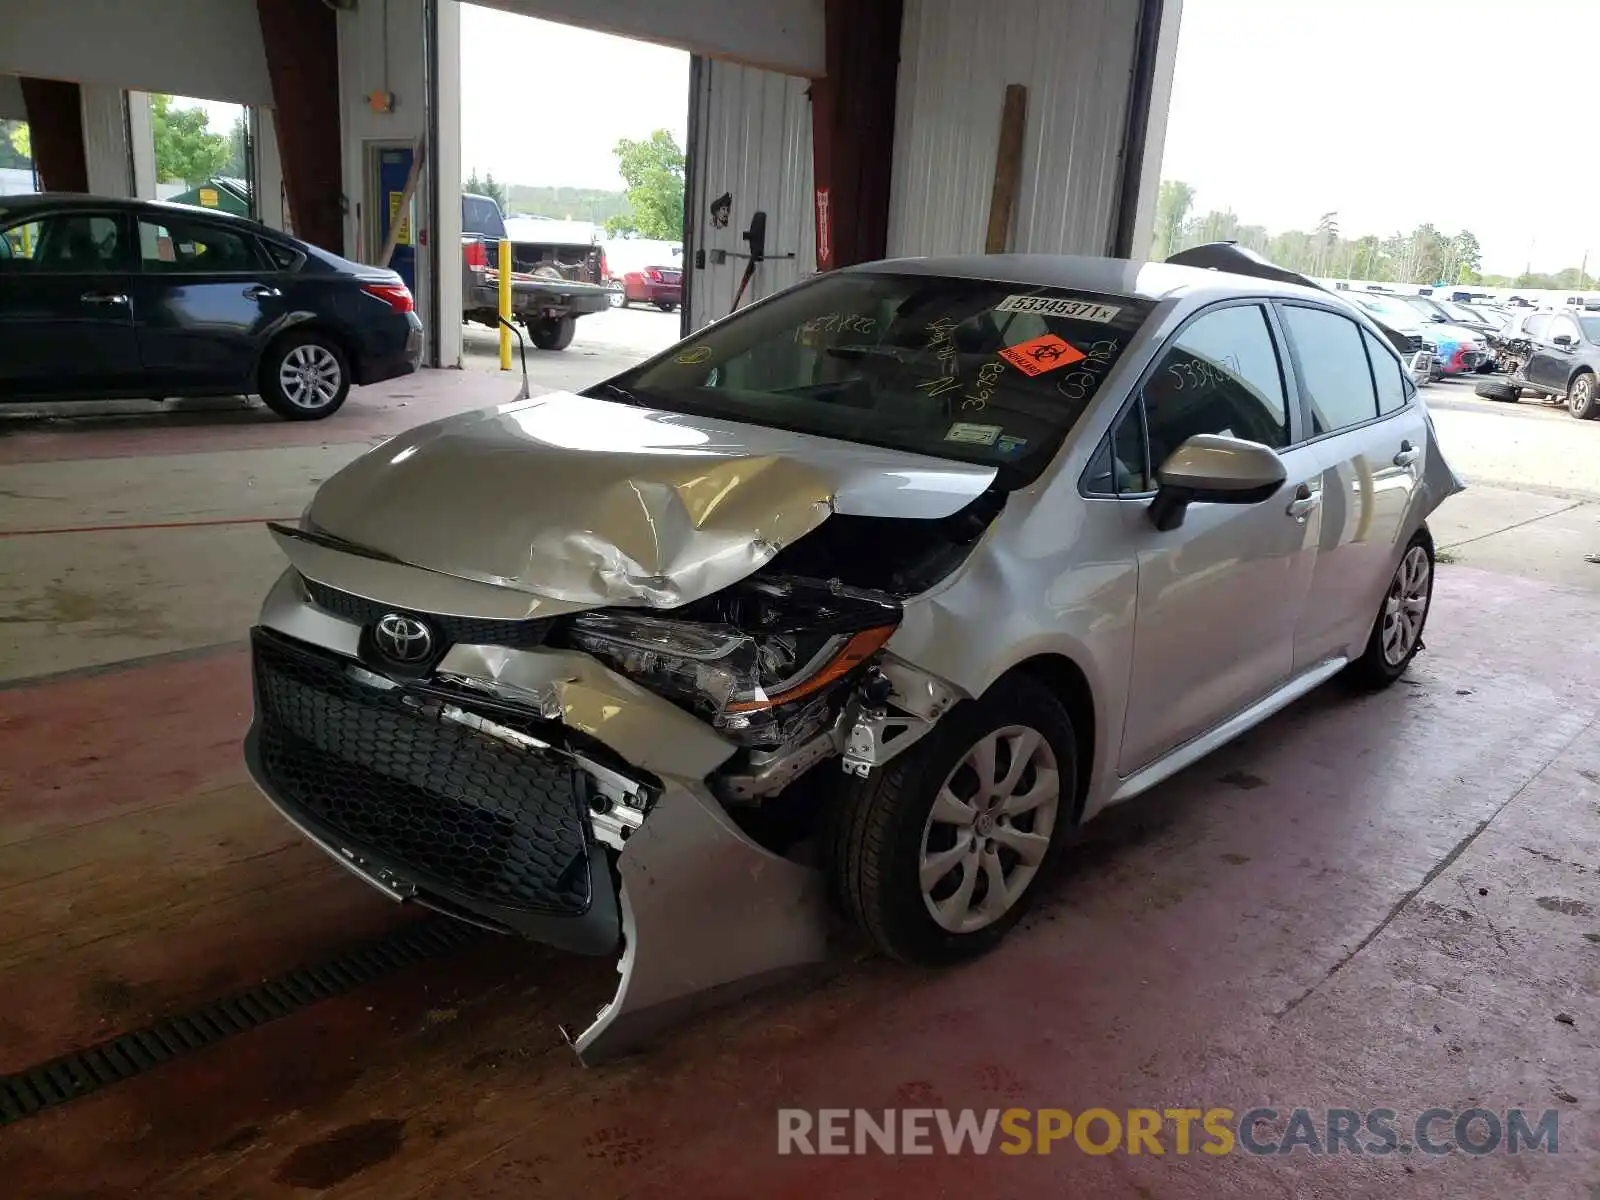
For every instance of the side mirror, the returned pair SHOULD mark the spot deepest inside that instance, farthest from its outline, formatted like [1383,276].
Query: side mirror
[1212,469]
[1438,318]
[1564,340]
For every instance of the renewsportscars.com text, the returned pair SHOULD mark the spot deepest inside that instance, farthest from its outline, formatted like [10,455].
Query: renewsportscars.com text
[1177,1131]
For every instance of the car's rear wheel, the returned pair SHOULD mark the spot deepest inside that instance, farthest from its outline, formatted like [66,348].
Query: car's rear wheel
[618,294]
[935,856]
[1496,389]
[304,377]
[1397,633]
[1583,400]
[552,333]
[666,305]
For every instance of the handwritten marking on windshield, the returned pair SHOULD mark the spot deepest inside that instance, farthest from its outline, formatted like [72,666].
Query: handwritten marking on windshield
[989,375]
[1086,375]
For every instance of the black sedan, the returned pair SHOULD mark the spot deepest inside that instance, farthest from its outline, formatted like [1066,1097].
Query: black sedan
[106,299]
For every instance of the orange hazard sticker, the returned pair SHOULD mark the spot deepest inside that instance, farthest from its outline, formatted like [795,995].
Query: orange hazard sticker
[1042,354]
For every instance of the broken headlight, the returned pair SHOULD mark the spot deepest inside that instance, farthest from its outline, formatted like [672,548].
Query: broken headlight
[754,660]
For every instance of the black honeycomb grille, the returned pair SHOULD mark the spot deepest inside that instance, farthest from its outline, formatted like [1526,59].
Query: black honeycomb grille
[458,811]
[471,631]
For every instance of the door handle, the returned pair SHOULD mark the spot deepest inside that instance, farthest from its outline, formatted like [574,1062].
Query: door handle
[103,298]
[1305,503]
[261,292]
[1408,455]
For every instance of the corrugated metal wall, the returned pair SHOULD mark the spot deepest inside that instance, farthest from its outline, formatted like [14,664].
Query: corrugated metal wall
[750,137]
[956,58]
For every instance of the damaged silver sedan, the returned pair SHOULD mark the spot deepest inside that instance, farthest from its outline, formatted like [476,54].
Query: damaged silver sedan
[854,604]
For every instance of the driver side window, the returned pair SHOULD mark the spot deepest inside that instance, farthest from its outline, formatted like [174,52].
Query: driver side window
[1220,375]
[1564,327]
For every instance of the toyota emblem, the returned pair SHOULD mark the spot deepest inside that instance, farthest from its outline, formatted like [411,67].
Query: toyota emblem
[403,639]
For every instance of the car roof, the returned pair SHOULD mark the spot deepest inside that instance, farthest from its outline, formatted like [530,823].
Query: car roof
[25,202]
[1108,276]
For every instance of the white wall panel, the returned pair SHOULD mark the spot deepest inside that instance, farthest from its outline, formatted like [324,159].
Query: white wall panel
[209,49]
[749,137]
[11,104]
[106,152]
[779,35]
[1075,57]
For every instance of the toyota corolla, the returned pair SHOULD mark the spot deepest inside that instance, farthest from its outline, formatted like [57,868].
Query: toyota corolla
[854,604]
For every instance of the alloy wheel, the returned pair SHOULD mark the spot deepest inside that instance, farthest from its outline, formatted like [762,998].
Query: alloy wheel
[1578,398]
[1406,606]
[310,376]
[989,829]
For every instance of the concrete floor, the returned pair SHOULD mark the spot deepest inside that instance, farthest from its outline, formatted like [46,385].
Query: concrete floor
[1378,902]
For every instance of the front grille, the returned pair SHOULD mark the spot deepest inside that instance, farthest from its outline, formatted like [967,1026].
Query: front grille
[459,812]
[471,631]
[1413,343]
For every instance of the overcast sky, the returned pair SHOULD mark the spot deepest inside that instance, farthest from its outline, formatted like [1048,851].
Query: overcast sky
[1393,112]
[572,93]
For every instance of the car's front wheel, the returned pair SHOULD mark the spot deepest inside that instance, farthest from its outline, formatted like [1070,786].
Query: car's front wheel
[935,856]
[304,377]
[1397,633]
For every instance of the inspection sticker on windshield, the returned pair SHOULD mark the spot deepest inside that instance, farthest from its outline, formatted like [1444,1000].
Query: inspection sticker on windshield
[977,435]
[1050,306]
[1043,353]
[694,356]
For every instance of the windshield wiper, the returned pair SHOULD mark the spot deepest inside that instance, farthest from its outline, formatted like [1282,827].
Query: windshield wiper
[617,392]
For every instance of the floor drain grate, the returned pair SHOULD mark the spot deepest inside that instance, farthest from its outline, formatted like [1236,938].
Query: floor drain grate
[83,1072]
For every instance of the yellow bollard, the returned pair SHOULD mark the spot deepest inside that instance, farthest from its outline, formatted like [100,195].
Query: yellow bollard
[505,303]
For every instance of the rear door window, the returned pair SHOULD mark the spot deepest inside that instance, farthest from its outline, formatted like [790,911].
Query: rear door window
[174,245]
[1335,376]
[1393,389]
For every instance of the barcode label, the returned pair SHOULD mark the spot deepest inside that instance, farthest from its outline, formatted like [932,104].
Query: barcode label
[1050,306]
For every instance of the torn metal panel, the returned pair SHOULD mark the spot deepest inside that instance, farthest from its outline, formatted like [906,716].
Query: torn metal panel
[568,502]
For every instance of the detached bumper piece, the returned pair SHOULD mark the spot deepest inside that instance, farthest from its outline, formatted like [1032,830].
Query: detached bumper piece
[414,795]
[426,808]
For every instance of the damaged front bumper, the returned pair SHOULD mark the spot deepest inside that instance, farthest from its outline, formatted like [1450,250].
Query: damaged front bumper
[530,791]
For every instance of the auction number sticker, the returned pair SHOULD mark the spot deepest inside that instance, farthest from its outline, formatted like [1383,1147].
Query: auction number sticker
[694,356]
[1051,306]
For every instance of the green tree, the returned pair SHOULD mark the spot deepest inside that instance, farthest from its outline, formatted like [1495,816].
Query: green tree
[1469,257]
[487,186]
[16,148]
[238,164]
[653,170]
[186,149]
[1173,202]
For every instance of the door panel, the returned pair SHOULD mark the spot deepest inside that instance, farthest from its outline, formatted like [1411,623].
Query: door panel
[204,301]
[66,328]
[1219,600]
[1220,596]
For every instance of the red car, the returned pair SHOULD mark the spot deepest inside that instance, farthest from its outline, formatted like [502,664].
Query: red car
[661,286]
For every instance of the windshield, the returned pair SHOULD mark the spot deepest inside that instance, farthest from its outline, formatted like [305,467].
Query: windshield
[1391,307]
[992,373]
[1459,312]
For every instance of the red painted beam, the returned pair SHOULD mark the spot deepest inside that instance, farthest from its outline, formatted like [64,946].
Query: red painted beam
[302,43]
[55,123]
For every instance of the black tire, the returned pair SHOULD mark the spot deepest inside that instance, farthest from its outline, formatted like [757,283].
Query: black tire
[1497,389]
[323,376]
[618,294]
[1583,396]
[1376,668]
[878,828]
[666,305]
[552,333]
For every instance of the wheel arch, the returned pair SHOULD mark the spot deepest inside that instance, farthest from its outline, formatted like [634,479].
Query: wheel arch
[310,324]
[1068,682]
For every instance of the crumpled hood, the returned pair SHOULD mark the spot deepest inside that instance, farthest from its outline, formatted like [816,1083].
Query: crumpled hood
[577,502]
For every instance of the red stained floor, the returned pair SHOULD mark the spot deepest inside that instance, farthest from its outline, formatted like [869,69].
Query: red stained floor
[1374,902]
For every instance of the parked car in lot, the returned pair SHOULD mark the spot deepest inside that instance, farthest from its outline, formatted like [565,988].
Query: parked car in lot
[552,285]
[1457,350]
[110,299]
[880,585]
[641,271]
[1554,355]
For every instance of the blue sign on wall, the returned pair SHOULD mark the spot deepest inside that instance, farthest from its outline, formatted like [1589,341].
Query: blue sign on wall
[394,168]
